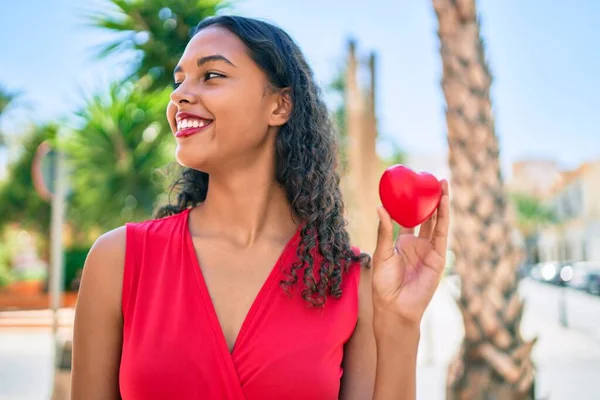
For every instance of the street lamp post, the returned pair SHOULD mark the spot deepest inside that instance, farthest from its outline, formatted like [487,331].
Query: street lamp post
[56,230]
[565,275]
[562,306]
[50,178]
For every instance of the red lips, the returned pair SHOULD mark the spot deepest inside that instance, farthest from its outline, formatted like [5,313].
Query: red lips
[189,131]
[409,197]
[185,132]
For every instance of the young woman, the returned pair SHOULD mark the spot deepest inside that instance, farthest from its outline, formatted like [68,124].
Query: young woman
[247,287]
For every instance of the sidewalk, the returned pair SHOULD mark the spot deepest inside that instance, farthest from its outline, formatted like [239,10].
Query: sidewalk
[568,361]
[36,318]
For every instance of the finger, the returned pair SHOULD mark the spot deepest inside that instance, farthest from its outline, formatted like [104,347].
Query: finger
[440,233]
[385,236]
[426,228]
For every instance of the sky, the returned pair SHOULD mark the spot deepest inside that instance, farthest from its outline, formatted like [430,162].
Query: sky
[545,59]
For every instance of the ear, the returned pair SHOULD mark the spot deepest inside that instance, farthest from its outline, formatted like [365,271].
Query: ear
[282,107]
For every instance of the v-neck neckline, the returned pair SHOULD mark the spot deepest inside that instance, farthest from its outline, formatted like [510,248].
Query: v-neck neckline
[256,303]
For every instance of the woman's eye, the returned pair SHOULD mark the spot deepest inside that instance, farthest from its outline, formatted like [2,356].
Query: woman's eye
[211,75]
[207,76]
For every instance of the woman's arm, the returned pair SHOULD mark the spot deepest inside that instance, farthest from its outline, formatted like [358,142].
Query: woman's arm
[397,346]
[97,336]
[360,353]
[406,273]
[380,358]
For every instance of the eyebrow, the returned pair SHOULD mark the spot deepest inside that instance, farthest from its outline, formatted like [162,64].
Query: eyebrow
[206,60]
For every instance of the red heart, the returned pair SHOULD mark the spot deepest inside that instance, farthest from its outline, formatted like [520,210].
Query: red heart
[409,197]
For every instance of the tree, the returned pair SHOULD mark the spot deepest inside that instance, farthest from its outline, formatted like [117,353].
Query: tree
[355,117]
[7,99]
[19,200]
[115,157]
[531,213]
[157,31]
[494,361]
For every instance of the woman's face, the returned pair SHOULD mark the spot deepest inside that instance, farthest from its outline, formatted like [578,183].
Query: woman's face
[223,111]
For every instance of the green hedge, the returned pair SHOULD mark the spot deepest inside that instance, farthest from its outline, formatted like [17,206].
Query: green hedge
[74,259]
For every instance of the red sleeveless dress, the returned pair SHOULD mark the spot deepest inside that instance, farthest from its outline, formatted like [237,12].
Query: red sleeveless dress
[174,347]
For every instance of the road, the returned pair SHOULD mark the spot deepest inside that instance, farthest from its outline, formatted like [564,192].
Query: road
[582,309]
[568,359]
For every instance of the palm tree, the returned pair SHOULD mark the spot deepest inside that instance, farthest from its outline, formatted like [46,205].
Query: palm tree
[337,88]
[531,215]
[357,134]
[116,155]
[494,361]
[7,99]
[156,30]
[531,212]
[19,201]
[358,142]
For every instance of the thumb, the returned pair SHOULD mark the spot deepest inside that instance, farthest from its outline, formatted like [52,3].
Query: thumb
[385,236]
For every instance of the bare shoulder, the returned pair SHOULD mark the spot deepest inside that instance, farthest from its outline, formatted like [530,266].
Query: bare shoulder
[105,263]
[111,243]
[102,277]
[98,329]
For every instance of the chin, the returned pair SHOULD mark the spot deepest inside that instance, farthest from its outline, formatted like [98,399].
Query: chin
[187,157]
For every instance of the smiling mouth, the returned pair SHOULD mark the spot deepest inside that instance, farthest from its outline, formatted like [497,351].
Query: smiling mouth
[189,126]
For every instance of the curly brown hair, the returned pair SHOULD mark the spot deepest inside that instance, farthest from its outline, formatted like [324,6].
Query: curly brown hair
[306,162]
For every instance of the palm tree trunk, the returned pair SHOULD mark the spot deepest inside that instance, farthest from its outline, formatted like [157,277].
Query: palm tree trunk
[360,180]
[371,164]
[355,129]
[494,361]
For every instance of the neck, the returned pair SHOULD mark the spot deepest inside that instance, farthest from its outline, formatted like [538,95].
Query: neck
[246,204]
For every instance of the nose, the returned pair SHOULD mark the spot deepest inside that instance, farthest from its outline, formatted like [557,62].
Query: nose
[182,95]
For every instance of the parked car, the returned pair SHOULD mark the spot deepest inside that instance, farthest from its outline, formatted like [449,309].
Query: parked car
[554,272]
[535,272]
[586,276]
[594,286]
[524,270]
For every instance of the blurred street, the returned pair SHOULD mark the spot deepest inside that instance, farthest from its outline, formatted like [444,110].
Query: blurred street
[26,357]
[27,352]
[568,359]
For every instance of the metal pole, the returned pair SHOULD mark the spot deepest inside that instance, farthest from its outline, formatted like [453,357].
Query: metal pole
[56,248]
[56,243]
[429,340]
[562,307]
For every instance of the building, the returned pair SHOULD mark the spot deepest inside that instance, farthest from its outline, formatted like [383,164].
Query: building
[575,201]
[534,177]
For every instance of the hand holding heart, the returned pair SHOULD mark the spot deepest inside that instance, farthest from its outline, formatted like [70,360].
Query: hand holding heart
[407,271]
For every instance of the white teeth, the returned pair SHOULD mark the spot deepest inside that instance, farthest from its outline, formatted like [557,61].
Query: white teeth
[191,123]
